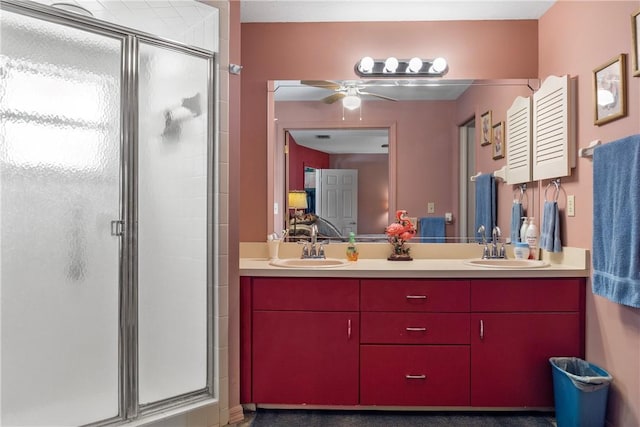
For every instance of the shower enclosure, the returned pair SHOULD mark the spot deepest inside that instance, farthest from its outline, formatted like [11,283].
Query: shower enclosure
[106,213]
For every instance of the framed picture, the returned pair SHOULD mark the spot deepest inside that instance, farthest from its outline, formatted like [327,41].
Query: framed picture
[609,90]
[498,140]
[485,125]
[635,33]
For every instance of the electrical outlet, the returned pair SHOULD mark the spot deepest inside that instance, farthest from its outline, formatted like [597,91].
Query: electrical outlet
[431,207]
[571,205]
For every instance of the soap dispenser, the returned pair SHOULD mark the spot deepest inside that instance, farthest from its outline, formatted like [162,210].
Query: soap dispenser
[532,239]
[523,229]
[352,250]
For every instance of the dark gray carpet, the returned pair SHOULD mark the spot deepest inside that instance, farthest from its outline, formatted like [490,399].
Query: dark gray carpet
[318,418]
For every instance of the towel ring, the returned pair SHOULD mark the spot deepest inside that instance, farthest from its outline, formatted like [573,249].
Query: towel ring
[523,189]
[556,183]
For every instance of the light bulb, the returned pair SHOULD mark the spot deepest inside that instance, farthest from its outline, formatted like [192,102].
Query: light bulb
[415,64]
[438,65]
[391,65]
[351,102]
[366,64]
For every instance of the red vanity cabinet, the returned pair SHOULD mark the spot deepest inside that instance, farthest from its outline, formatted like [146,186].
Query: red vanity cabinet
[457,343]
[305,341]
[516,325]
[414,342]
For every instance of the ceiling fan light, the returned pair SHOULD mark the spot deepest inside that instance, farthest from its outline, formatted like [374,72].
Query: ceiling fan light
[351,102]
[391,65]
[438,65]
[415,64]
[366,64]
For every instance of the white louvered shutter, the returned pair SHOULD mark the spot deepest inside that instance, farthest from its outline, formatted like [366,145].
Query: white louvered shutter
[519,141]
[553,144]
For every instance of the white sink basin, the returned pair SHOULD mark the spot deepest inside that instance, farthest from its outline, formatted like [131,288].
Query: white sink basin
[309,262]
[507,263]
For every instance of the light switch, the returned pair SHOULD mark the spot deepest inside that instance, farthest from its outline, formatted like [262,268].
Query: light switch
[275,208]
[431,207]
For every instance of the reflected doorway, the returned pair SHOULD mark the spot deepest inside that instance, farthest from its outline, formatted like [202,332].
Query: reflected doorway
[467,138]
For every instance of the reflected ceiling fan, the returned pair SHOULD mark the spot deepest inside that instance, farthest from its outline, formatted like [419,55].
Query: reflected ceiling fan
[349,92]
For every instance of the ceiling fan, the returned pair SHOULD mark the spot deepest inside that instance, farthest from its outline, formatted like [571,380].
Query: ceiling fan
[349,92]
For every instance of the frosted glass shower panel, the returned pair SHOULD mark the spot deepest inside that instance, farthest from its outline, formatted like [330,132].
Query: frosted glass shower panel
[172,223]
[59,190]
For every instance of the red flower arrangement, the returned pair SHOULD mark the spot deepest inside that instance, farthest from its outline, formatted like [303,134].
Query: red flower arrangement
[398,233]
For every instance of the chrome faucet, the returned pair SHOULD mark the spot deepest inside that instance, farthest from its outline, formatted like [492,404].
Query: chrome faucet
[313,249]
[485,250]
[495,237]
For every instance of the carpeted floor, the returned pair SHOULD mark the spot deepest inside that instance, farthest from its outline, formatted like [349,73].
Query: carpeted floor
[321,418]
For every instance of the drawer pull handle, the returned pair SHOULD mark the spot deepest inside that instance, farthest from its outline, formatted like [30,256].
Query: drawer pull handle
[416,377]
[481,329]
[411,329]
[349,329]
[416,297]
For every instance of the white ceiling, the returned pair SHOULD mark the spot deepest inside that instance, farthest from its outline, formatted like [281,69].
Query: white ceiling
[338,141]
[400,10]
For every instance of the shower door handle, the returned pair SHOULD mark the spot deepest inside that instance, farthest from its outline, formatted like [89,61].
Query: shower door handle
[117,228]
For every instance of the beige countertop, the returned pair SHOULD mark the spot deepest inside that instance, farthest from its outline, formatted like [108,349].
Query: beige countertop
[430,261]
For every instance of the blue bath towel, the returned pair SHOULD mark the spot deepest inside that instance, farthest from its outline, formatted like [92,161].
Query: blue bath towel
[485,204]
[550,230]
[431,229]
[616,221]
[516,214]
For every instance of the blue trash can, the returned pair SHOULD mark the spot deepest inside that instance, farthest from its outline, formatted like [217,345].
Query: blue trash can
[580,391]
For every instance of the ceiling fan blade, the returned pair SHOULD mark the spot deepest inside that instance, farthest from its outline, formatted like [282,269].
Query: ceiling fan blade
[333,98]
[377,96]
[324,84]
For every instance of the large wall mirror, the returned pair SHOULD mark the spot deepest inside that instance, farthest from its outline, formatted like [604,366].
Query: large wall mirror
[406,145]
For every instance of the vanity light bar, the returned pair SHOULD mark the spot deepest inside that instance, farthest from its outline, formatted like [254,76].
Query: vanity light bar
[393,67]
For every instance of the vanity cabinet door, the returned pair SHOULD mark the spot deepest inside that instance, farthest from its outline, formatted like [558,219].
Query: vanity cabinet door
[510,356]
[305,357]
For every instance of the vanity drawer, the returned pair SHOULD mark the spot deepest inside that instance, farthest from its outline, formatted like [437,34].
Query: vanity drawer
[525,295]
[414,295]
[414,375]
[277,293]
[414,328]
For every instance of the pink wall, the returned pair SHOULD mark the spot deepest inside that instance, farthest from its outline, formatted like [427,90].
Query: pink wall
[575,38]
[373,188]
[474,49]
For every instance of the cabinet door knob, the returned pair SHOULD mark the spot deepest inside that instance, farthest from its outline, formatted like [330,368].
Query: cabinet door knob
[413,329]
[416,377]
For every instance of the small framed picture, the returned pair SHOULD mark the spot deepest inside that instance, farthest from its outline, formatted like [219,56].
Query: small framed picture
[498,140]
[485,125]
[635,33]
[609,90]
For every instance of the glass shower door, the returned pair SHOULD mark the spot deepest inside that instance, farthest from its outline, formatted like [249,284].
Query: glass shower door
[60,158]
[173,148]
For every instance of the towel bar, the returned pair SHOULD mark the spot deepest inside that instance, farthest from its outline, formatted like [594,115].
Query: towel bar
[588,151]
[497,177]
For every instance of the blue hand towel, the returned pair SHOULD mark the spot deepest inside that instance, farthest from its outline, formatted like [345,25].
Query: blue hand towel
[516,214]
[616,221]
[431,229]
[550,230]
[485,203]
